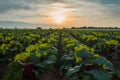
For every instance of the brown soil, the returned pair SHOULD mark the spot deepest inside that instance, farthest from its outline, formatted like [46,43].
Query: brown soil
[116,64]
[52,76]
[3,68]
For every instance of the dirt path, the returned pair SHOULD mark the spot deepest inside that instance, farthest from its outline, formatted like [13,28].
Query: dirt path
[56,73]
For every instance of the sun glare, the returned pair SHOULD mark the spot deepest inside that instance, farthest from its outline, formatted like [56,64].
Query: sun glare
[58,17]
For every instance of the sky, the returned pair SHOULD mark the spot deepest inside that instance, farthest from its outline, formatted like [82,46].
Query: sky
[62,12]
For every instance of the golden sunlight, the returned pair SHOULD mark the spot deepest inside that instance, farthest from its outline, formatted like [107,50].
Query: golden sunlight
[58,17]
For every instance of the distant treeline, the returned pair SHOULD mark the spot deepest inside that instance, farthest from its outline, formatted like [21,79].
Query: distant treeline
[85,27]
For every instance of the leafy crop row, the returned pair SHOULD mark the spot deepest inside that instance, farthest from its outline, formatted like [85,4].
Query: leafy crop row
[70,54]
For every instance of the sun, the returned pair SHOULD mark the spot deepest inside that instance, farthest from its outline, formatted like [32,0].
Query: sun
[58,17]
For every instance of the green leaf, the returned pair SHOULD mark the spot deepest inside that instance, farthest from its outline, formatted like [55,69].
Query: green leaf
[67,58]
[73,70]
[42,65]
[33,58]
[67,61]
[53,50]
[22,56]
[104,62]
[15,71]
[38,53]
[100,74]
[36,73]
[51,59]
[30,48]
[83,55]
[74,78]
[78,59]
[86,78]
[43,52]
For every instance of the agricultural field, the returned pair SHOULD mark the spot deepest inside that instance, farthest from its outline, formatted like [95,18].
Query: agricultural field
[59,54]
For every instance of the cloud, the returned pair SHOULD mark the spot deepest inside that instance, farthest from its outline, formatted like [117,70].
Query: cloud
[109,1]
[6,5]
[77,9]
[97,8]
